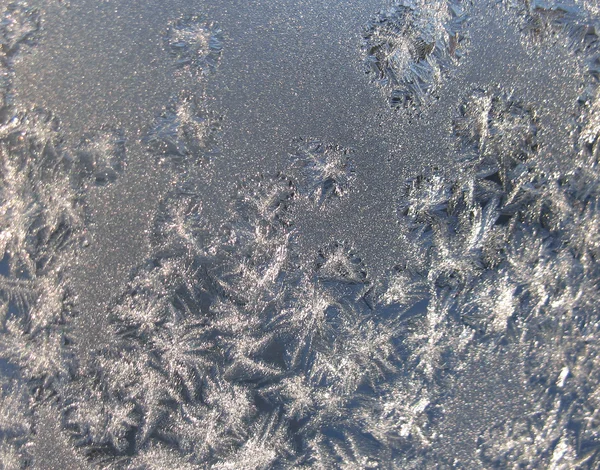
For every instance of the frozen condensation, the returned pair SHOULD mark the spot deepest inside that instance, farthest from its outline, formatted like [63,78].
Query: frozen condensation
[496,129]
[324,170]
[40,210]
[233,346]
[196,43]
[184,131]
[410,46]
[100,156]
[19,25]
[546,22]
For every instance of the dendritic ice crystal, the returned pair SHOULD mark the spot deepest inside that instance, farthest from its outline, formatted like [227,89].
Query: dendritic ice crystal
[410,46]
[184,131]
[570,22]
[238,342]
[196,43]
[323,170]
[100,156]
[40,209]
[497,129]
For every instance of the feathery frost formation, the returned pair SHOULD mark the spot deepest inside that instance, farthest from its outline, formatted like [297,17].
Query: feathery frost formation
[323,170]
[196,44]
[237,356]
[410,47]
[42,225]
[185,130]
[572,23]
[229,348]
[40,219]
[100,156]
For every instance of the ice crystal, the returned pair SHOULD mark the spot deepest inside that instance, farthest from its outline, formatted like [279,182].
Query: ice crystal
[338,264]
[232,347]
[502,247]
[207,338]
[19,25]
[410,47]
[181,225]
[497,128]
[43,357]
[5,88]
[158,457]
[549,21]
[531,442]
[324,171]
[100,156]
[267,444]
[97,418]
[40,220]
[196,43]
[184,131]
[15,423]
[40,210]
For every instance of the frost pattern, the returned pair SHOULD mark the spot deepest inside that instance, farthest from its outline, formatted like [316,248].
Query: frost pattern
[196,43]
[410,46]
[239,356]
[508,260]
[496,129]
[19,26]
[324,170]
[183,132]
[574,24]
[100,156]
[39,207]
[228,350]
[41,224]
[223,347]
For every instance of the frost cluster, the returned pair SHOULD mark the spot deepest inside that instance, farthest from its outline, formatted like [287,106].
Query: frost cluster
[228,348]
[196,43]
[572,22]
[410,46]
[322,170]
[185,130]
[100,156]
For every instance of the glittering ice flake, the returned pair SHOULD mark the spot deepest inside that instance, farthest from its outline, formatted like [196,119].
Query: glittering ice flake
[410,46]
[324,171]
[497,129]
[181,225]
[18,25]
[39,209]
[184,131]
[549,21]
[196,44]
[100,156]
